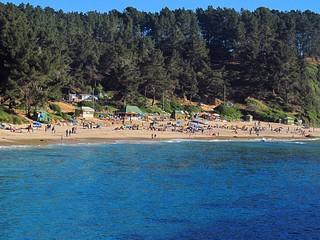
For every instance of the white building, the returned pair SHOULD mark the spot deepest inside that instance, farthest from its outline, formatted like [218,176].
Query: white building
[81,97]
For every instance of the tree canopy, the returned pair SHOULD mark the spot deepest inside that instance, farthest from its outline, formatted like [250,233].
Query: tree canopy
[210,53]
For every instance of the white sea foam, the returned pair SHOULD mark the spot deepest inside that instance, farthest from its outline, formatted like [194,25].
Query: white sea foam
[157,141]
[17,146]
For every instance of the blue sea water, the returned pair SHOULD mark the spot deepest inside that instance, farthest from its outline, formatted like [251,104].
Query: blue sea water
[163,190]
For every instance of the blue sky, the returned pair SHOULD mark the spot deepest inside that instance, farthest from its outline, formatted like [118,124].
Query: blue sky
[157,5]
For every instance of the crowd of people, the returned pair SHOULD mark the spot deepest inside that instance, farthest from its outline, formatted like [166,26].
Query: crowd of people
[162,129]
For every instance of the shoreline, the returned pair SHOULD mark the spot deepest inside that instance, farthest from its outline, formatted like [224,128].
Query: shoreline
[43,142]
[8,142]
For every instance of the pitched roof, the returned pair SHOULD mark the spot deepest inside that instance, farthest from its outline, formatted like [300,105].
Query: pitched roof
[130,109]
[86,109]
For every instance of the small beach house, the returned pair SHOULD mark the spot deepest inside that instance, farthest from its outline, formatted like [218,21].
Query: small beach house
[129,110]
[248,118]
[288,120]
[84,112]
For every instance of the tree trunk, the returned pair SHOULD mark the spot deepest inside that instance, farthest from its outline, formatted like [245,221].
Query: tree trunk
[28,111]
[154,97]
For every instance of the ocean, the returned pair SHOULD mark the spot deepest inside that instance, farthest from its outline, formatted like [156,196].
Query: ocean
[161,190]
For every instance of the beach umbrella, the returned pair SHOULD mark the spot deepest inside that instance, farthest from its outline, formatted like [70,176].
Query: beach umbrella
[179,122]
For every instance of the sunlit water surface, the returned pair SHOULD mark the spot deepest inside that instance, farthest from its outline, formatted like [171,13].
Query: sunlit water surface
[164,190]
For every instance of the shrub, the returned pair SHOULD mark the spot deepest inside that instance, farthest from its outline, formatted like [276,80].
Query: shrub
[97,107]
[54,107]
[151,109]
[229,112]
[141,102]
[111,108]
[311,118]
[10,118]
[17,120]
[65,116]
[175,105]
[192,108]
[256,105]
[261,111]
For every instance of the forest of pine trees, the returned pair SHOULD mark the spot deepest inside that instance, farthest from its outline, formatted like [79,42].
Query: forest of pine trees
[265,54]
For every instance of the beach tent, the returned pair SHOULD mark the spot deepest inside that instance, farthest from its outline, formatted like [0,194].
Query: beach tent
[40,116]
[84,112]
[288,120]
[130,110]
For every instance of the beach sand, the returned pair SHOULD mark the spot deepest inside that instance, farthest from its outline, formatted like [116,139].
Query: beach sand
[219,131]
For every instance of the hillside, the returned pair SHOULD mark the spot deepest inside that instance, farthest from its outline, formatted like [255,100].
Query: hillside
[179,54]
[65,107]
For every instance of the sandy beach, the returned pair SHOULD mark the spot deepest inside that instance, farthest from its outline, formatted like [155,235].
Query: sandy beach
[112,132]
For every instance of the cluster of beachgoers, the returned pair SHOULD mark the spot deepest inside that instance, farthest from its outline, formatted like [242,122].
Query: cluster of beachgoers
[97,130]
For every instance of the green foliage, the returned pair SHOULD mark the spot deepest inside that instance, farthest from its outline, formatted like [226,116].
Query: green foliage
[65,116]
[202,55]
[191,108]
[54,107]
[170,105]
[10,118]
[311,96]
[151,109]
[53,116]
[256,105]
[97,107]
[60,116]
[111,108]
[141,101]
[311,118]
[261,111]
[229,112]
[166,106]
[175,104]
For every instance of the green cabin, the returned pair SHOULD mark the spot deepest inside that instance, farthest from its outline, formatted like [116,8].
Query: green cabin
[130,110]
[248,118]
[288,120]
[84,112]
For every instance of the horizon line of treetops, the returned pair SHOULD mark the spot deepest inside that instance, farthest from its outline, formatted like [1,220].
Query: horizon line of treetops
[199,55]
